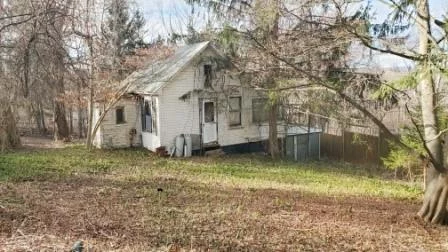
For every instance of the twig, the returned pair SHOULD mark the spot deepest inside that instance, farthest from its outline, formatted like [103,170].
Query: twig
[20,232]
[438,135]
[435,163]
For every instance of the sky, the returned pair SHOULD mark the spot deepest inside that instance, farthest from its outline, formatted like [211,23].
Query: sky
[437,7]
[165,16]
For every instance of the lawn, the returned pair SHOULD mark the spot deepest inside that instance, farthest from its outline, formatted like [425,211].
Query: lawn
[131,200]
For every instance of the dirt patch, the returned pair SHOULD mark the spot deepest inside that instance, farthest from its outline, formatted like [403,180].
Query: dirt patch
[162,213]
[46,142]
[29,142]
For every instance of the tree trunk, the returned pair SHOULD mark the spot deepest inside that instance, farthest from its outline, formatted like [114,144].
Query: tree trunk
[274,149]
[80,116]
[39,117]
[91,79]
[80,123]
[70,119]
[435,200]
[434,207]
[35,114]
[42,117]
[90,120]
[429,119]
[9,136]
[61,131]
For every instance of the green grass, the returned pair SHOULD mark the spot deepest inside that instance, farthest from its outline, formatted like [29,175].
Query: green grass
[45,164]
[246,171]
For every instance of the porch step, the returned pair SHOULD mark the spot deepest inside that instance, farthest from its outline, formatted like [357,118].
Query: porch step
[211,149]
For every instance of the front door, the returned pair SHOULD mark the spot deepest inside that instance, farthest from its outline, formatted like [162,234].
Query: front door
[209,124]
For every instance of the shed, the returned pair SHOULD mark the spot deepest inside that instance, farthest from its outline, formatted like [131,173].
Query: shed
[302,143]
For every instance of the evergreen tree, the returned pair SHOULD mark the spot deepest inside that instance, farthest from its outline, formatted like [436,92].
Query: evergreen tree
[125,31]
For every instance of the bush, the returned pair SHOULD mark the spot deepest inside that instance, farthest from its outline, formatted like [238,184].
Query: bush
[403,160]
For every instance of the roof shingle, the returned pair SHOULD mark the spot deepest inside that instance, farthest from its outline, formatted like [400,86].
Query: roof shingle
[150,79]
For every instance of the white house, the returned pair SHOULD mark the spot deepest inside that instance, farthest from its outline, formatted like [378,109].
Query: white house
[192,92]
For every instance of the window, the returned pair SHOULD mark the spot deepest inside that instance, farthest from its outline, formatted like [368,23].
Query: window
[146,119]
[119,115]
[208,76]
[260,111]
[154,112]
[209,112]
[235,111]
[149,120]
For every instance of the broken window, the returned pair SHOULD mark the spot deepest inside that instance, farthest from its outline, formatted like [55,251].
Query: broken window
[260,110]
[207,76]
[235,111]
[209,112]
[119,115]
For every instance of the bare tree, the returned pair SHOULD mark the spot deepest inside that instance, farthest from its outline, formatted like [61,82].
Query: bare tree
[36,37]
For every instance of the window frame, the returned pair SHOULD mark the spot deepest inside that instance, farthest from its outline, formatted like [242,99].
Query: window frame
[263,109]
[123,116]
[149,109]
[146,112]
[239,111]
[208,75]
[206,120]
[154,112]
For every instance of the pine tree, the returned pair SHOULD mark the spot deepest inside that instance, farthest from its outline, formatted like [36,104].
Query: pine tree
[125,31]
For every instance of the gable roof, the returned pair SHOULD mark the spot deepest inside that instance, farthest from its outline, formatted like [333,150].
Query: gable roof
[153,77]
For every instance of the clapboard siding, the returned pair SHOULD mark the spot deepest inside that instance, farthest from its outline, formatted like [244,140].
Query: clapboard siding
[179,116]
[112,135]
[179,111]
[248,131]
[182,116]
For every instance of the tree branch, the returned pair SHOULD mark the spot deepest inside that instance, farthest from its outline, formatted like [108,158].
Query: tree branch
[439,167]
[345,97]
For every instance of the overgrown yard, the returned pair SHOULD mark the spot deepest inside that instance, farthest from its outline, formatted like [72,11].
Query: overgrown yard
[130,200]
